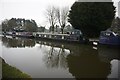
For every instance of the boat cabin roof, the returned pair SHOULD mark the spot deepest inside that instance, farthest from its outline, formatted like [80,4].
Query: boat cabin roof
[108,33]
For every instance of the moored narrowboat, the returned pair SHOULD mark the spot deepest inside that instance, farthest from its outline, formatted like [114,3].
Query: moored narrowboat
[74,36]
[24,34]
[109,38]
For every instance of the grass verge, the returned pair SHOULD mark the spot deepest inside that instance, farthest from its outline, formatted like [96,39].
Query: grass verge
[11,72]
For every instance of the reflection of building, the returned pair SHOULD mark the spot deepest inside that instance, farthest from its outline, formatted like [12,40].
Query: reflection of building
[94,0]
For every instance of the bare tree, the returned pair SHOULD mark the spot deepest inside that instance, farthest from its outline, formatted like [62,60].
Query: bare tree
[62,15]
[51,16]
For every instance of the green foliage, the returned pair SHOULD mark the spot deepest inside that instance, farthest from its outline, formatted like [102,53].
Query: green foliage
[30,26]
[51,29]
[27,25]
[12,23]
[116,22]
[5,26]
[91,18]
[11,72]
[115,27]
[41,29]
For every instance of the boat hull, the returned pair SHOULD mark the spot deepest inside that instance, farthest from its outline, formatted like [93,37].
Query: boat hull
[109,40]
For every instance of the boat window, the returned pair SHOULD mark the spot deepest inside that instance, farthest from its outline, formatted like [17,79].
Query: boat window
[39,35]
[107,34]
[44,35]
[73,33]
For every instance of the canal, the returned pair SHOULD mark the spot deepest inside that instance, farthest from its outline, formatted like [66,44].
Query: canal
[47,59]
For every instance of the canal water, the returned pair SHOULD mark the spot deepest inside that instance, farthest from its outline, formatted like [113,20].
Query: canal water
[47,59]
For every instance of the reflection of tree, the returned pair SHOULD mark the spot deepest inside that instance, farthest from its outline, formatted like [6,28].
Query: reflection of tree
[4,40]
[40,43]
[83,61]
[63,58]
[29,43]
[13,42]
[10,42]
[56,57]
[87,64]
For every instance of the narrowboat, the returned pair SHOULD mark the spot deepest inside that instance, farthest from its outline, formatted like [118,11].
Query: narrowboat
[74,36]
[24,34]
[19,33]
[109,38]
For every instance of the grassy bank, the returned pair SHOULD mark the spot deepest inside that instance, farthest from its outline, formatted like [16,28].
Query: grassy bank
[11,72]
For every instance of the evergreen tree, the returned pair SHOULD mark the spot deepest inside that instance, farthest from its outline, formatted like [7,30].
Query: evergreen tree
[115,27]
[91,17]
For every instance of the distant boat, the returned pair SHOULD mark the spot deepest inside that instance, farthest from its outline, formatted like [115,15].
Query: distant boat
[109,38]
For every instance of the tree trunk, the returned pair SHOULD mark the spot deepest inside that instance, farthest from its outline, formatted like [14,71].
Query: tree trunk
[62,30]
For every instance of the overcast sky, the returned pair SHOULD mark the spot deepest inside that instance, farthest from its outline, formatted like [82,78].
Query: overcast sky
[30,9]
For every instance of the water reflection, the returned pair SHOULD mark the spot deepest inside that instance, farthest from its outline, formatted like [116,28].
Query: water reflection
[56,57]
[87,64]
[82,61]
[111,54]
[17,42]
[108,53]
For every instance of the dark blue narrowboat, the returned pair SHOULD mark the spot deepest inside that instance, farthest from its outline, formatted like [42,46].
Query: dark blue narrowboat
[109,38]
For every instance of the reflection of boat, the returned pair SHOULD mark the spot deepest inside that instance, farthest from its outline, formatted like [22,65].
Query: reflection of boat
[108,53]
[109,37]
[8,41]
